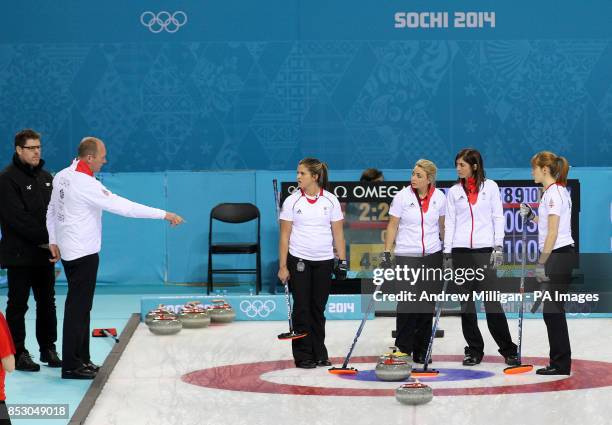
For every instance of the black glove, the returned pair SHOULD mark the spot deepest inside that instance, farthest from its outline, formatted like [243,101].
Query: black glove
[385,260]
[341,269]
[527,212]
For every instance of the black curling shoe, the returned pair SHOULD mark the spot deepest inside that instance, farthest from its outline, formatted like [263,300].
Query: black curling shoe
[306,364]
[25,363]
[50,356]
[549,370]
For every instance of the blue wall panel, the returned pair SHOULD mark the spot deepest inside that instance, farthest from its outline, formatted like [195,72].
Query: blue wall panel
[235,85]
[192,195]
[257,85]
[134,250]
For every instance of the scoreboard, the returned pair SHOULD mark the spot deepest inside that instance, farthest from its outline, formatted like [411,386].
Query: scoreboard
[366,214]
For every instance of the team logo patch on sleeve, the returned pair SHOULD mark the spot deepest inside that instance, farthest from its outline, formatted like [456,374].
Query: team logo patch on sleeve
[551,203]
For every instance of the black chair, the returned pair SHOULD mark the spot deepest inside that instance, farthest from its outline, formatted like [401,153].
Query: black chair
[234,213]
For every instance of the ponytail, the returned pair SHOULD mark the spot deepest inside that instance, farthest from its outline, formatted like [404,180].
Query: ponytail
[563,170]
[558,165]
[324,176]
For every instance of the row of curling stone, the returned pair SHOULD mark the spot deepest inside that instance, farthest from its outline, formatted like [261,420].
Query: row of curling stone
[397,366]
[193,315]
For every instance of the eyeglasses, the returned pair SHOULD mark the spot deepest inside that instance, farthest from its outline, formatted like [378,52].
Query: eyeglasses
[31,148]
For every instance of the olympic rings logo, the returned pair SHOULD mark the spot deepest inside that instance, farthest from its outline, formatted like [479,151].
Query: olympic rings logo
[163,21]
[257,308]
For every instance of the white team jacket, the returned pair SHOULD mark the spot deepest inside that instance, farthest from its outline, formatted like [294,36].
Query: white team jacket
[474,226]
[74,215]
[418,231]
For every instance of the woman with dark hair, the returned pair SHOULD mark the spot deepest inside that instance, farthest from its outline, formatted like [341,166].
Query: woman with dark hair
[557,253]
[311,223]
[473,239]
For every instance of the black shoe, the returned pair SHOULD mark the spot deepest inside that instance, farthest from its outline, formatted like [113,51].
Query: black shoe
[25,363]
[472,359]
[324,362]
[306,364]
[512,360]
[49,356]
[549,370]
[420,358]
[93,367]
[80,373]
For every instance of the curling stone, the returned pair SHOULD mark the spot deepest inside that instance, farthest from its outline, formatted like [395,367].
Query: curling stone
[392,369]
[414,393]
[194,316]
[222,312]
[161,309]
[165,325]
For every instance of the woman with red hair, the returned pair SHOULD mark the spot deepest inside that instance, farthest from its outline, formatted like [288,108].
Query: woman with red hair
[557,253]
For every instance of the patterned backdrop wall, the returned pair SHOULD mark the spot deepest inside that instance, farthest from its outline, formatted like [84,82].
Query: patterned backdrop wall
[234,84]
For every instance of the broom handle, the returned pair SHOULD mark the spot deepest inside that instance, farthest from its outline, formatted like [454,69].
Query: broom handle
[522,289]
[361,325]
[435,327]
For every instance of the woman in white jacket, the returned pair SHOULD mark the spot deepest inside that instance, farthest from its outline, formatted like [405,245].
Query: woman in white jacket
[557,253]
[416,221]
[473,240]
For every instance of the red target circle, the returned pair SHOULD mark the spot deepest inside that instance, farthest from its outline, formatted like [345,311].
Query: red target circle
[246,377]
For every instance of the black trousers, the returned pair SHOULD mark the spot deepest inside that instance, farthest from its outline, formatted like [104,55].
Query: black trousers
[81,275]
[41,280]
[496,318]
[559,270]
[4,415]
[310,289]
[414,319]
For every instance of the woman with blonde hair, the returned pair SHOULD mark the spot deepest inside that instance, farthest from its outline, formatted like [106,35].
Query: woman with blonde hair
[557,253]
[416,221]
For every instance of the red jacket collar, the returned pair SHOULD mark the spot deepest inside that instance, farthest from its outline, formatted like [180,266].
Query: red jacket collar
[469,185]
[312,201]
[82,167]
[425,201]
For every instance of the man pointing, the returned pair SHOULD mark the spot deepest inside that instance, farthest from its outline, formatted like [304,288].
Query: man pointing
[74,224]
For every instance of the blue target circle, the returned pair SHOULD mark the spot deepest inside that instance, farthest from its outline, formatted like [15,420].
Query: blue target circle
[445,375]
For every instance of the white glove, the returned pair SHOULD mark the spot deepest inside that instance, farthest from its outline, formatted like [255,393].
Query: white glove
[527,212]
[497,257]
[540,273]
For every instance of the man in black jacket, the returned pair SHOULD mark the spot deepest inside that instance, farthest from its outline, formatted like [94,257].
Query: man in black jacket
[25,191]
